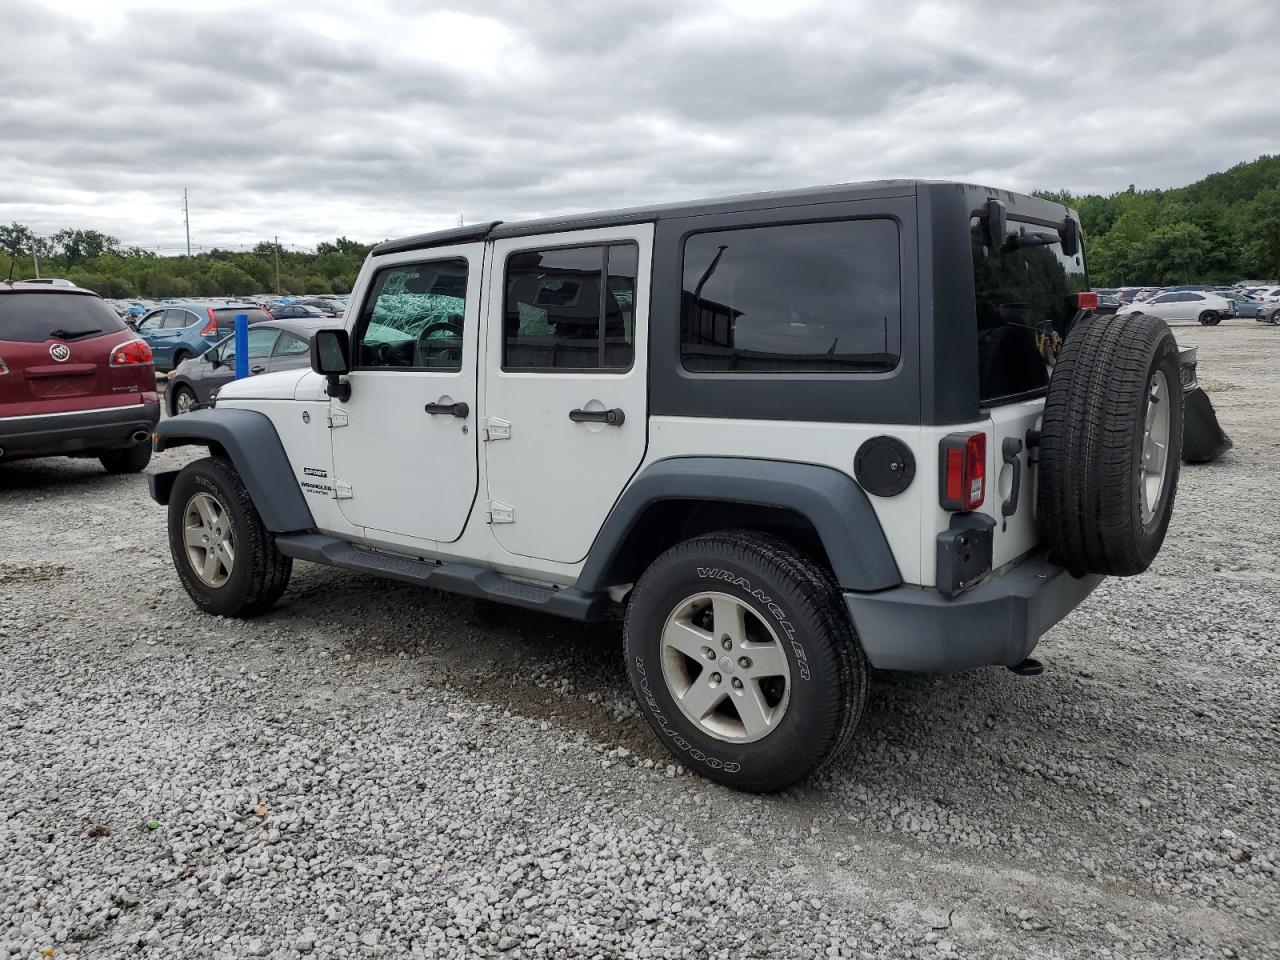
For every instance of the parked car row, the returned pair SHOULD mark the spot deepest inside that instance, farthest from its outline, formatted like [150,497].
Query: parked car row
[1200,302]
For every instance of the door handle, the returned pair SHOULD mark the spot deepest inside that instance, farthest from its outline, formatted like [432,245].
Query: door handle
[613,418]
[459,409]
[1009,451]
[258,369]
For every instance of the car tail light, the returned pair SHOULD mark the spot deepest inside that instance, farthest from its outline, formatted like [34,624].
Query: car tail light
[210,329]
[4,367]
[131,353]
[1087,301]
[963,480]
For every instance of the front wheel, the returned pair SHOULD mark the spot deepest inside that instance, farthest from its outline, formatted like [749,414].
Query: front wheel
[224,555]
[744,660]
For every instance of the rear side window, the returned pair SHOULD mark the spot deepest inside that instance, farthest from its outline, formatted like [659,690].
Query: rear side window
[796,298]
[32,317]
[178,319]
[570,308]
[1023,294]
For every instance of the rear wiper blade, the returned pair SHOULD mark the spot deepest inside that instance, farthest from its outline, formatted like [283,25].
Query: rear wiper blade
[73,334]
[1020,241]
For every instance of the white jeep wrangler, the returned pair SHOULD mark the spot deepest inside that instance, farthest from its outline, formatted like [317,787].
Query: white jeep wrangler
[789,436]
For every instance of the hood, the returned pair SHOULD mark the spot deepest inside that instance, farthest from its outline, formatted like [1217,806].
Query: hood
[266,386]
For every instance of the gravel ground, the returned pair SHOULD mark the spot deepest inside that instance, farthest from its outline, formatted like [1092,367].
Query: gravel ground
[373,770]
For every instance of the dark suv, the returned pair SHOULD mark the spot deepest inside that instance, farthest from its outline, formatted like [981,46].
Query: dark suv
[74,379]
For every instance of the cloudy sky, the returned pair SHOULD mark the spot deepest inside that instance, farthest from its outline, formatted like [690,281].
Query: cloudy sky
[385,117]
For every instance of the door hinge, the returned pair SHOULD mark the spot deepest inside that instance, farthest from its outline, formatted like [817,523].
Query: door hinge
[337,418]
[341,489]
[495,428]
[500,512]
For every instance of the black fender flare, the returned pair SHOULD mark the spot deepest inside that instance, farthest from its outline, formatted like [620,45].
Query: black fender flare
[250,441]
[830,500]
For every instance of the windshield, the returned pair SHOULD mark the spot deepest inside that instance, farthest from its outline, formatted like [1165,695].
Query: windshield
[1023,310]
[37,317]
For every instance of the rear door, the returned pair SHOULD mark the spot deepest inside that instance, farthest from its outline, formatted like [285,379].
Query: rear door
[565,401]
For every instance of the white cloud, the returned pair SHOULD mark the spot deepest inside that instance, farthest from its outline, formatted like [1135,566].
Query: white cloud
[393,116]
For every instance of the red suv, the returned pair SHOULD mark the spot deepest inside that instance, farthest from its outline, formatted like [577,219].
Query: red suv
[74,380]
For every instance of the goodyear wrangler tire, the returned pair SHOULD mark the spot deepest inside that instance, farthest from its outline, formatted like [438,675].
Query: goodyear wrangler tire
[744,660]
[1111,444]
[225,556]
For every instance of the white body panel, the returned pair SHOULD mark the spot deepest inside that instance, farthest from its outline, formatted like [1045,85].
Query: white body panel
[1016,534]
[560,477]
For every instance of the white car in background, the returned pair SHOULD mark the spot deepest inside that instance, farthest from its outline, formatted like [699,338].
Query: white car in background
[1207,308]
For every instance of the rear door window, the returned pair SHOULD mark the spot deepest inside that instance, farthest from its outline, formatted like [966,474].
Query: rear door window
[178,319]
[1024,306]
[32,317]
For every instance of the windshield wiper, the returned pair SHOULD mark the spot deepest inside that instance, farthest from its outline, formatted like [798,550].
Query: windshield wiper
[1020,241]
[73,334]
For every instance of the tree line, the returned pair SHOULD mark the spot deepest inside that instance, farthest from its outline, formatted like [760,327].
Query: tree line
[97,262]
[1223,228]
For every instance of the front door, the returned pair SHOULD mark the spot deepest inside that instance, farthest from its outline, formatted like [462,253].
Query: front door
[404,444]
[565,404]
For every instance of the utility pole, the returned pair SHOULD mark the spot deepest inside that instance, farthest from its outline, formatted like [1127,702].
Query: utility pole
[186,218]
[35,256]
[277,264]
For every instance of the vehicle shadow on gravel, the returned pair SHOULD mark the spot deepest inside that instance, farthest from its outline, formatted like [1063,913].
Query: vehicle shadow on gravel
[57,475]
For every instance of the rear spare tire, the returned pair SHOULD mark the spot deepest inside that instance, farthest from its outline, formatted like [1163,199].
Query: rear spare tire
[1111,445]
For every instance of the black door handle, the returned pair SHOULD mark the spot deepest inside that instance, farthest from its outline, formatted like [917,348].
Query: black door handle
[258,369]
[459,409]
[613,418]
[1010,450]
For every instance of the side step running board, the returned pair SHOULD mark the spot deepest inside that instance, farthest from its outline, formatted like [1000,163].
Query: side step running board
[461,578]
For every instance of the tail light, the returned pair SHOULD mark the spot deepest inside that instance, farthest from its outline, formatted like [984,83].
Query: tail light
[210,329]
[963,480]
[131,353]
[1087,300]
[4,367]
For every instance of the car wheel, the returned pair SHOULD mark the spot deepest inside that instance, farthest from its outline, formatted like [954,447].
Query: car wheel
[225,557]
[1210,318]
[184,400]
[179,357]
[1111,445]
[130,460]
[744,660]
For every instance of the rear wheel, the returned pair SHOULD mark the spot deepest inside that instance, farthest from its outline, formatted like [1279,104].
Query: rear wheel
[1210,318]
[225,557]
[742,655]
[1111,444]
[130,460]
[184,400]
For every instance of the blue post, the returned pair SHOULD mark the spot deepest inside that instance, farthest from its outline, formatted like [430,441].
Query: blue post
[242,345]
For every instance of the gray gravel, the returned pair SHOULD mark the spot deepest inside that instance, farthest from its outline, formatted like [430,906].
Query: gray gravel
[373,770]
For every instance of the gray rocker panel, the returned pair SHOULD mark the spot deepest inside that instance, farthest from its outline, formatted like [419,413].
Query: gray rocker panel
[830,500]
[251,442]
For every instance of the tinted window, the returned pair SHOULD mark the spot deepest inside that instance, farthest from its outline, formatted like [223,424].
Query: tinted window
[414,317]
[177,319]
[226,316]
[799,298]
[1167,298]
[30,317]
[288,345]
[571,308]
[1024,307]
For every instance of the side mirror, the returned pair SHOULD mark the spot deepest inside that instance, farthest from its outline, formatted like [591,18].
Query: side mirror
[331,356]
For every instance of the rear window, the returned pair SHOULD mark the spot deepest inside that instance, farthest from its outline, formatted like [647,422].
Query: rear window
[33,317]
[1023,310]
[226,316]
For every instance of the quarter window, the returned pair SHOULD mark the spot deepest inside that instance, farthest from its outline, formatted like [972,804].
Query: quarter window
[413,317]
[796,298]
[570,308]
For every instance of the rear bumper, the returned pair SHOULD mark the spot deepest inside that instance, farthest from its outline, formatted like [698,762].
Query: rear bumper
[70,433]
[998,622]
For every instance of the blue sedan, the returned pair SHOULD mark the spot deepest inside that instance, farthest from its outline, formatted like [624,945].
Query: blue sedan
[180,331]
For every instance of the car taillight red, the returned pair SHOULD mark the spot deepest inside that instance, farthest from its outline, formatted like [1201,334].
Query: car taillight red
[131,353]
[963,481]
[4,367]
[210,329]
[1087,300]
